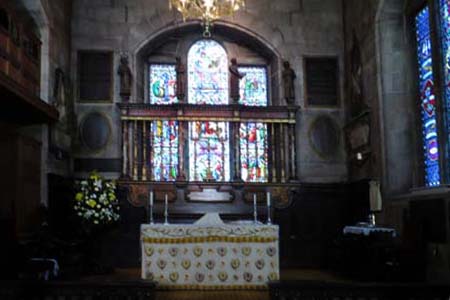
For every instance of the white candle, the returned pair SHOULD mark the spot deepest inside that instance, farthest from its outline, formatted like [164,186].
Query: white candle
[151,198]
[166,201]
[268,198]
[254,200]
[375,200]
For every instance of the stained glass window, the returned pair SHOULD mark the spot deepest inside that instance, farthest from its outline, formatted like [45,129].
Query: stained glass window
[253,87]
[209,151]
[164,150]
[253,143]
[207,73]
[427,99]
[209,144]
[445,43]
[253,136]
[163,79]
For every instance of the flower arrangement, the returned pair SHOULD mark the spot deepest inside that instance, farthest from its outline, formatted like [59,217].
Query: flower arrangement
[95,201]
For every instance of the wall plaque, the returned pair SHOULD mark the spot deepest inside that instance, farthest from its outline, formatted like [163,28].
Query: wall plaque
[321,81]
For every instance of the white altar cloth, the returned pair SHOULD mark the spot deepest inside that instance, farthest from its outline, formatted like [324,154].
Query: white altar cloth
[210,256]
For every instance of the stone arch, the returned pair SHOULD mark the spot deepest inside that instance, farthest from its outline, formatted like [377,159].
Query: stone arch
[244,36]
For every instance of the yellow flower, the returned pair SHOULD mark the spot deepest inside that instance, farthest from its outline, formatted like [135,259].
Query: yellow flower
[91,203]
[79,196]
[94,175]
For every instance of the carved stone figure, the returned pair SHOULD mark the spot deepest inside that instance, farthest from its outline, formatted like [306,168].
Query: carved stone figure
[59,98]
[59,90]
[356,84]
[181,73]
[288,82]
[235,76]
[126,77]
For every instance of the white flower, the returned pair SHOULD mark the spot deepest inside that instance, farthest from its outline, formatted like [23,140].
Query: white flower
[98,183]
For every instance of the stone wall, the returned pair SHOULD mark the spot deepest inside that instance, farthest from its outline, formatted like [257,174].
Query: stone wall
[386,33]
[388,70]
[293,29]
[52,19]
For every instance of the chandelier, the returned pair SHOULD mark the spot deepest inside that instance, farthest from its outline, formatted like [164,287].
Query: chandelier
[206,10]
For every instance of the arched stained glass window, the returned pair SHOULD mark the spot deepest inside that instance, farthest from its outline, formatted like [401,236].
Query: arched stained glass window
[164,134]
[207,73]
[209,144]
[163,79]
[253,136]
[164,150]
[427,98]
[209,151]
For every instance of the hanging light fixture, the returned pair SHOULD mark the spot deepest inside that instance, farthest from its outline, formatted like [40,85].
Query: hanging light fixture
[206,10]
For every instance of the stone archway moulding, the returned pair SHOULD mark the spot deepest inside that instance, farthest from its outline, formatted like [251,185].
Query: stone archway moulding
[250,36]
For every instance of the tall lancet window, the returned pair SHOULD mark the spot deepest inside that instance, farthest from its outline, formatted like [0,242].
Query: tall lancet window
[445,61]
[427,99]
[163,133]
[209,144]
[253,136]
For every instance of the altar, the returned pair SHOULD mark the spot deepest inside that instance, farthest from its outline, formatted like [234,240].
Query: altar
[228,256]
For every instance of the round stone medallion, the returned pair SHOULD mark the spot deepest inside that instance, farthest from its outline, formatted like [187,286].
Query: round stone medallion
[324,136]
[95,131]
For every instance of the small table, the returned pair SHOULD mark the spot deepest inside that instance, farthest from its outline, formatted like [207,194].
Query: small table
[205,256]
[368,230]
[369,252]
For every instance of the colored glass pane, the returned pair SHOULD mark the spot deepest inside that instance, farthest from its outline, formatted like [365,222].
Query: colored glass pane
[253,143]
[445,44]
[207,73]
[253,136]
[253,87]
[427,99]
[164,150]
[209,151]
[163,80]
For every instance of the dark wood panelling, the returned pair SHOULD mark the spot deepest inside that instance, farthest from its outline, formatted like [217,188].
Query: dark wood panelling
[99,164]
[20,192]
[310,224]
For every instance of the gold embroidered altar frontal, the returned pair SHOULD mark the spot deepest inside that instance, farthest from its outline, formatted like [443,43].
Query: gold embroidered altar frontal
[210,257]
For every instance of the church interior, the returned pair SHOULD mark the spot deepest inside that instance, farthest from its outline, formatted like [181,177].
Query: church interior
[208,149]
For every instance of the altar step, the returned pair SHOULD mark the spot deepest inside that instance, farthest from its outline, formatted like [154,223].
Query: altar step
[77,290]
[284,290]
[294,285]
[212,295]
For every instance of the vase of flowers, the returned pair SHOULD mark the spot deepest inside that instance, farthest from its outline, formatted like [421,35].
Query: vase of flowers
[95,201]
[97,208]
